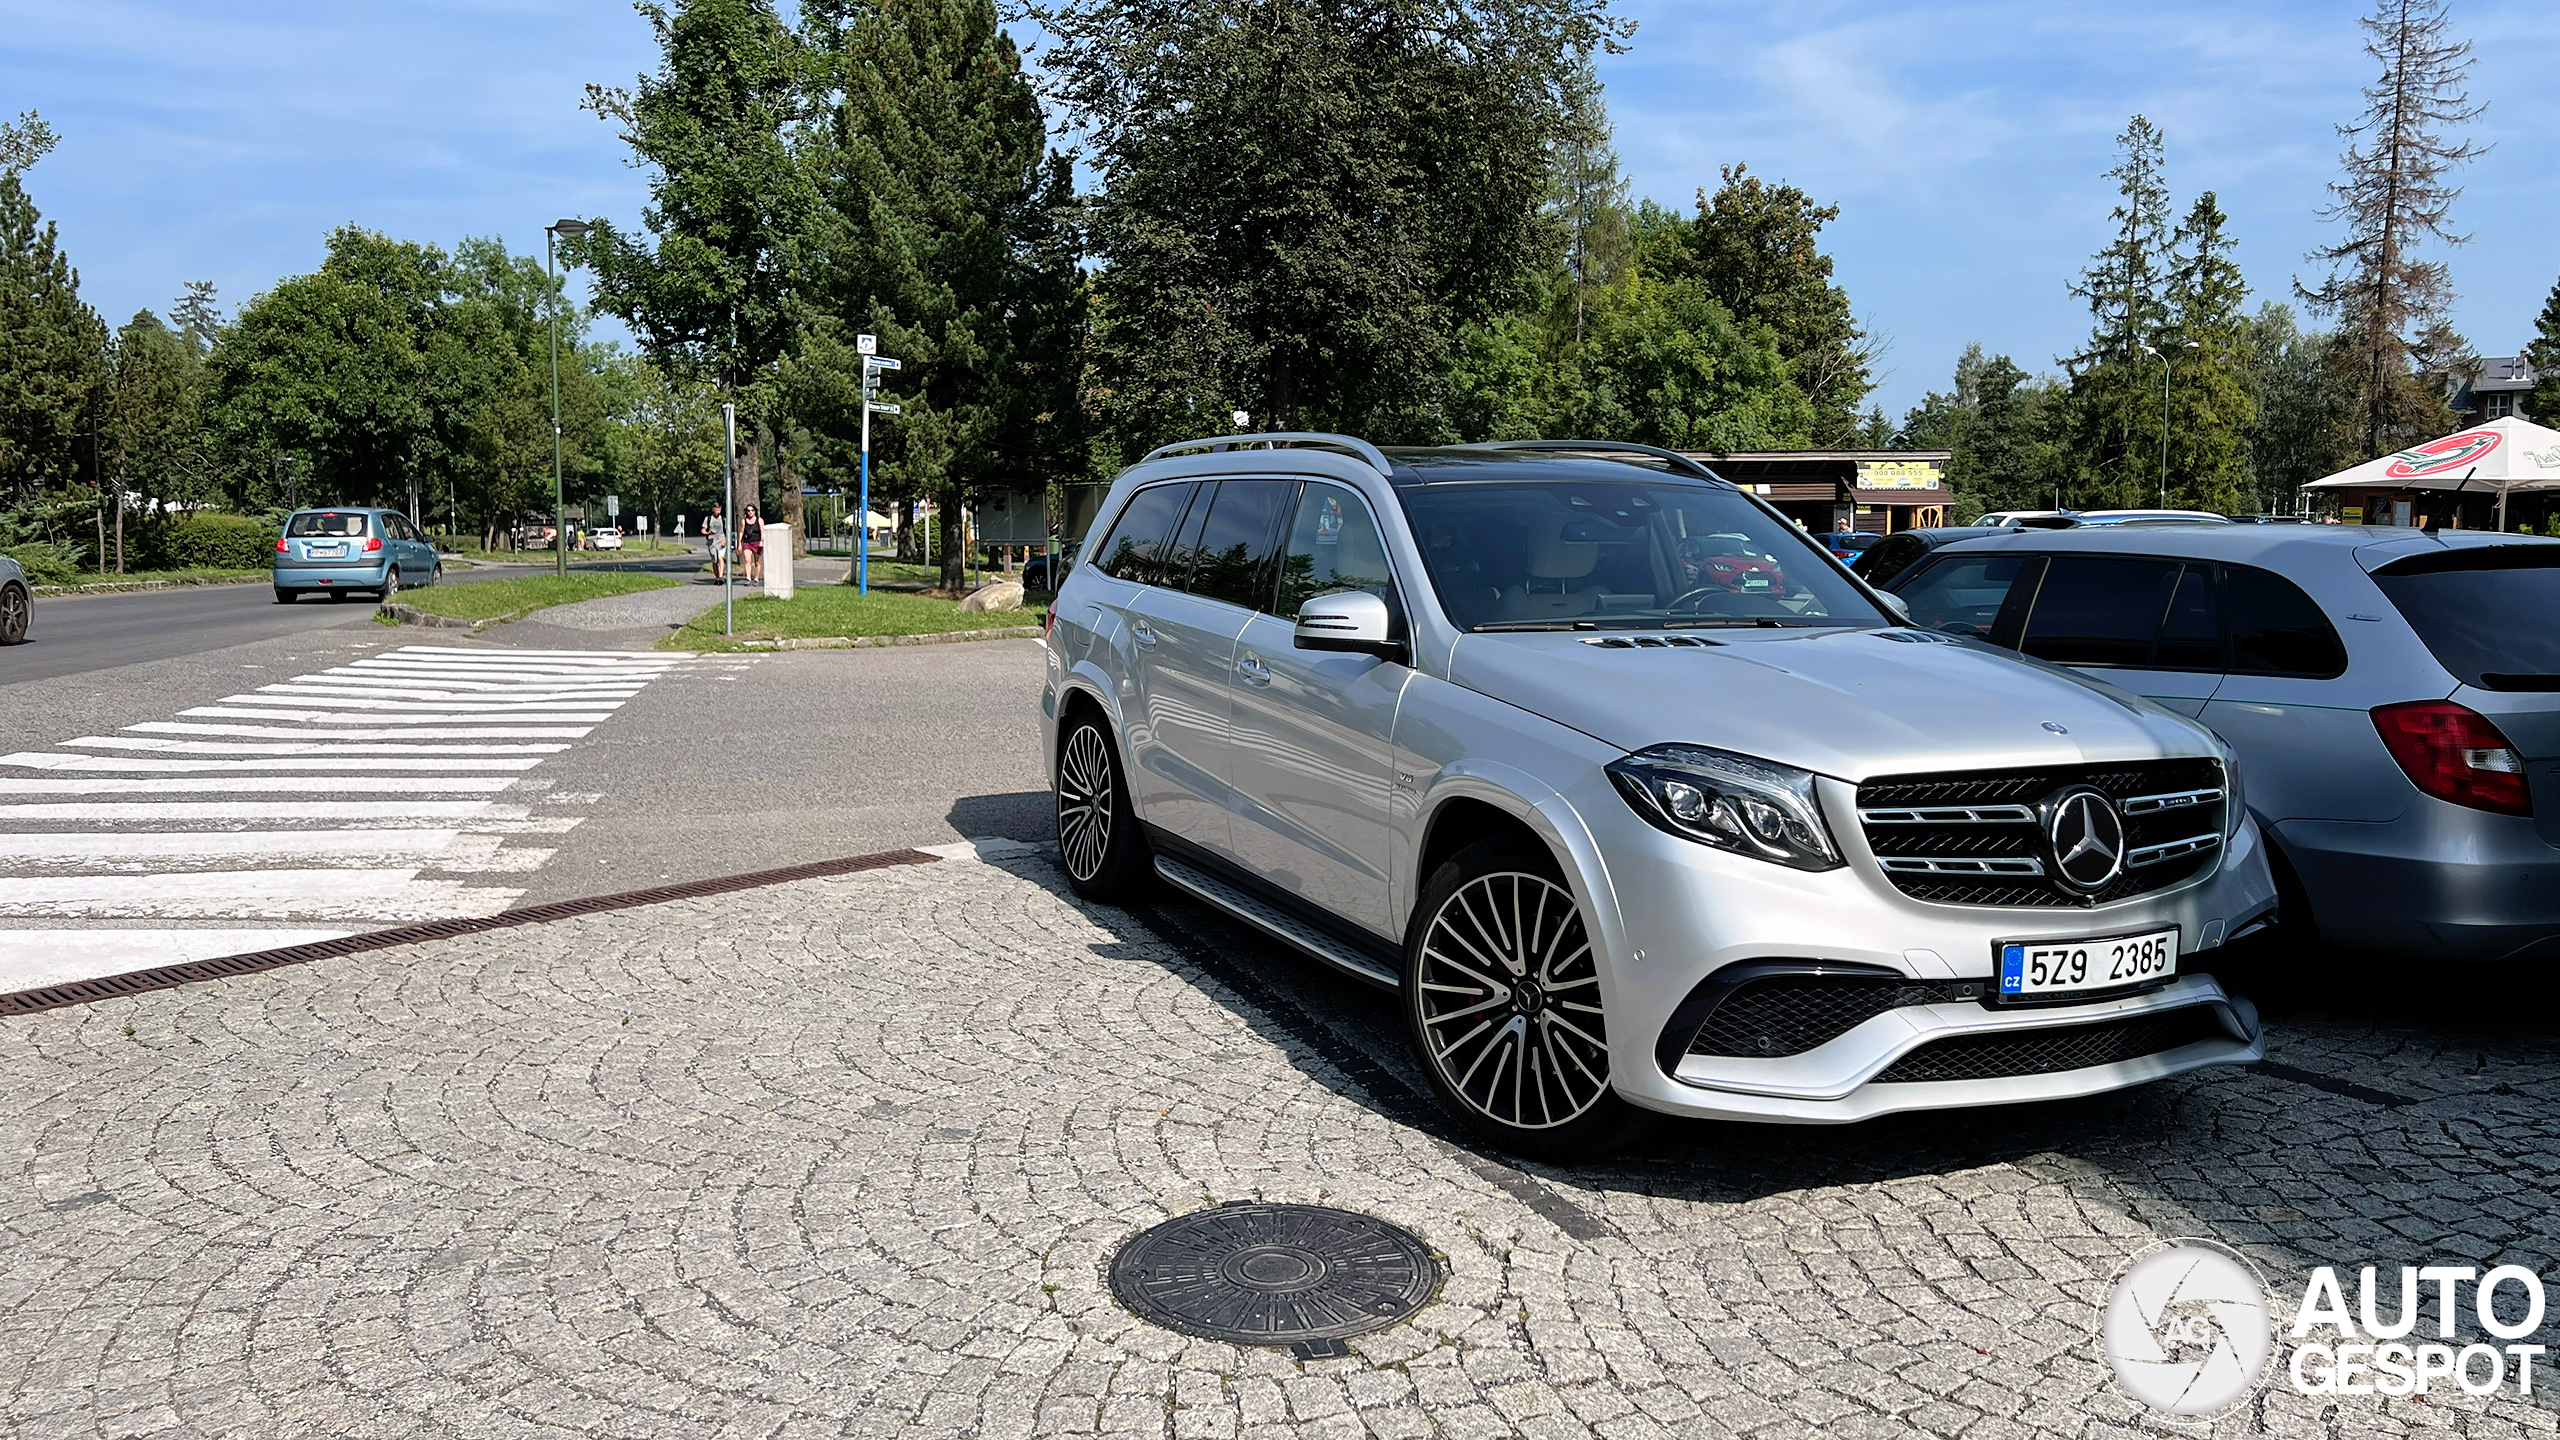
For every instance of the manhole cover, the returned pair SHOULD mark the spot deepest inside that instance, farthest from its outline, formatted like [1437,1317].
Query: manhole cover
[1258,1274]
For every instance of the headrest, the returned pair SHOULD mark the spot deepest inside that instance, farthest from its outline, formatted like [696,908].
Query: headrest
[1556,557]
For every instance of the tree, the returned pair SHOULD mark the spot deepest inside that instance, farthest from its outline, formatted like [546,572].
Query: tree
[2292,434]
[712,294]
[1587,197]
[2003,428]
[1757,248]
[2206,337]
[2542,405]
[943,232]
[52,346]
[1668,365]
[2115,386]
[2396,195]
[151,439]
[1305,202]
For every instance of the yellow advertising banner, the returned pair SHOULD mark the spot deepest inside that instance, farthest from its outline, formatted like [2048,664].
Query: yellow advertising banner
[1900,474]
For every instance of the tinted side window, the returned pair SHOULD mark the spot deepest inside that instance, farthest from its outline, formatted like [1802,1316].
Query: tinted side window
[2464,606]
[1962,594]
[1889,557]
[2276,629]
[2191,636]
[2099,611]
[1135,548]
[1239,542]
[1333,545]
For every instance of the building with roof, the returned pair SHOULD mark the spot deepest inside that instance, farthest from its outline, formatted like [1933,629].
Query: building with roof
[2492,388]
[1833,490]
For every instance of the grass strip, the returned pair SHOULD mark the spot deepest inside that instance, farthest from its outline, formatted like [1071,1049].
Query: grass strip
[135,579]
[822,611]
[508,599]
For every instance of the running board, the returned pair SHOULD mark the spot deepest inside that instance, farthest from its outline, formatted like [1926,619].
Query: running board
[1275,922]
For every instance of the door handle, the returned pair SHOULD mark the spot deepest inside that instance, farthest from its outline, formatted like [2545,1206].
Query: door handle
[1253,670]
[1139,632]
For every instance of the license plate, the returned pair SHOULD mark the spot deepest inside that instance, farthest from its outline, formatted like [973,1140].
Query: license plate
[325,552]
[2031,969]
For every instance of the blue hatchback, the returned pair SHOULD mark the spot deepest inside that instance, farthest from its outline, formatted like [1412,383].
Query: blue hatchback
[332,552]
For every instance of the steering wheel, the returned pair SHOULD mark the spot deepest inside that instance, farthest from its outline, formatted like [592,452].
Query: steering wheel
[1703,592]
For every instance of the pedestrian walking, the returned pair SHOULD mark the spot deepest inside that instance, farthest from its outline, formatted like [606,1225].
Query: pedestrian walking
[715,528]
[751,540]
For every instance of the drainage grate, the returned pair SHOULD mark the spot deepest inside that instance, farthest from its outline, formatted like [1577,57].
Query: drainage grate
[1301,1276]
[80,992]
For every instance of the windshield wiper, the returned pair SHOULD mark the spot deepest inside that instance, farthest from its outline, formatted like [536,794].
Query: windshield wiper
[1496,626]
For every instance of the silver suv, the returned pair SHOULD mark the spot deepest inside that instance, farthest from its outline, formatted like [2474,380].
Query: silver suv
[1636,797]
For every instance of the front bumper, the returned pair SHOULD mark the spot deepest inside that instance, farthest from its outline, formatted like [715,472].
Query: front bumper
[1672,913]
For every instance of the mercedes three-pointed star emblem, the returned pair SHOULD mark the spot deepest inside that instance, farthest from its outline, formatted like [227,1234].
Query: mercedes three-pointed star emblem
[2088,840]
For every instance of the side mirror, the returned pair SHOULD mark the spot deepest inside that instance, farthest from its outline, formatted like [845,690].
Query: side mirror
[1351,621]
[1901,611]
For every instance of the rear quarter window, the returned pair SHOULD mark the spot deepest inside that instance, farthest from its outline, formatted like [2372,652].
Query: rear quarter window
[2276,629]
[1136,548]
[2489,615]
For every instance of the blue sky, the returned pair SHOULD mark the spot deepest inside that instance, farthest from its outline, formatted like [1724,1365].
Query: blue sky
[1963,142]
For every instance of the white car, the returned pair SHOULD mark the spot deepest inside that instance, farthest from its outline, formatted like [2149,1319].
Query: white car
[607,538]
[1629,821]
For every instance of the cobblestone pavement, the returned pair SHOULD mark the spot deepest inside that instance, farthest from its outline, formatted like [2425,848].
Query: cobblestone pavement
[849,1157]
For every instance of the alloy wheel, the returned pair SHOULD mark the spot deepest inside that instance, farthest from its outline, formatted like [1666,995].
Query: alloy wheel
[1510,1001]
[13,614]
[1084,802]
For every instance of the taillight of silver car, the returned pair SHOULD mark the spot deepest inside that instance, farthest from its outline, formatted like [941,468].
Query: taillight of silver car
[2453,753]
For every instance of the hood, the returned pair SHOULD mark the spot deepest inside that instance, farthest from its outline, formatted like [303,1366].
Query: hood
[1852,704]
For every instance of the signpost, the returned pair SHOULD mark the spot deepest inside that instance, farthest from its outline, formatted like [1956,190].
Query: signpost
[729,510]
[872,364]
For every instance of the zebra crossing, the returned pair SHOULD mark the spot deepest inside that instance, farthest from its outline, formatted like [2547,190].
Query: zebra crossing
[392,789]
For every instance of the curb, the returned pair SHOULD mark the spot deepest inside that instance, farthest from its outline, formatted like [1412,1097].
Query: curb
[866,642]
[115,587]
[411,615]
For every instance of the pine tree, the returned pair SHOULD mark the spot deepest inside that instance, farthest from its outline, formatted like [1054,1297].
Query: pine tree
[2293,433]
[151,433]
[714,297]
[1587,196]
[2206,340]
[52,346]
[2115,387]
[2394,197]
[2542,405]
[945,236]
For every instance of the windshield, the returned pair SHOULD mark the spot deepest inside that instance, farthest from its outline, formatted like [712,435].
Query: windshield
[1601,554]
[2470,607]
[325,523]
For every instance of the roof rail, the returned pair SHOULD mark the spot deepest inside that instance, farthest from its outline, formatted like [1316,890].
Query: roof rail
[1377,458]
[1677,459]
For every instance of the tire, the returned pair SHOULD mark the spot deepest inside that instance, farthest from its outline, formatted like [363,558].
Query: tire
[1502,1004]
[390,584]
[284,597]
[13,614]
[436,575]
[1105,856]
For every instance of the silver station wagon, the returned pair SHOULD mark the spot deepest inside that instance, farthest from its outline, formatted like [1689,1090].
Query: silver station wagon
[1635,796]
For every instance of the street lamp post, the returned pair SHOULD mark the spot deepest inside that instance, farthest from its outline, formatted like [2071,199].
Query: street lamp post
[570,229]
[2164,416]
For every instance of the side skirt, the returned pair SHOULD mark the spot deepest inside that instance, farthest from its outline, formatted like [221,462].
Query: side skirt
[1198,883]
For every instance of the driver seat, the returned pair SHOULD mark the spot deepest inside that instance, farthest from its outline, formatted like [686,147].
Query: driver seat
[1554,564]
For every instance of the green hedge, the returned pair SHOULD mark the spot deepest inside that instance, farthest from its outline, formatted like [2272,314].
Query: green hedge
[219,542]
[46,564]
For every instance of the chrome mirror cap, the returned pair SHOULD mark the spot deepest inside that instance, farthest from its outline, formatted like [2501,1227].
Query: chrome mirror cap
[1351,621]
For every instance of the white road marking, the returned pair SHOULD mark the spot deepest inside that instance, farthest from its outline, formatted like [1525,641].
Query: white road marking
[29,958]
[624,656]
[167,844]
[30,760]
[481,732]
[332,717]
[270,784]
[332,746]
[473,706]
[375,895]
[409,812]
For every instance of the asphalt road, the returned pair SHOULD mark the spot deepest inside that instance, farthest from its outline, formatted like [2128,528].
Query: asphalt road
[75,634]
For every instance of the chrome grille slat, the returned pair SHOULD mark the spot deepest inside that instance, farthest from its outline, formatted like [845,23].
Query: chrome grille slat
[1960,865]
[2166,851]
[2176,800]
[1949,815]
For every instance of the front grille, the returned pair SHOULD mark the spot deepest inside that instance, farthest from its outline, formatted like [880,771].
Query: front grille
[1790,1014]
[1979,837]
[2052,1051]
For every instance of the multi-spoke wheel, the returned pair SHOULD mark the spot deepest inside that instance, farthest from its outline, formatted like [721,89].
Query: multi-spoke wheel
[1502,1000]
[1098,841]
[13,614]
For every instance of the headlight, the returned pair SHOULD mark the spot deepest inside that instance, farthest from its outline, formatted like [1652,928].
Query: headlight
[1732,802]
